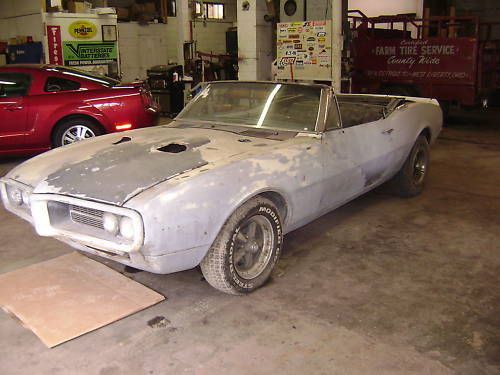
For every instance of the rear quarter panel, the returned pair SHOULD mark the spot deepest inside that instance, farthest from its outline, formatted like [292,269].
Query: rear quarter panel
[108,106]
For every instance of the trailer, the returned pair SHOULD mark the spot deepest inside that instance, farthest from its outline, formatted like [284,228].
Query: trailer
[453,59]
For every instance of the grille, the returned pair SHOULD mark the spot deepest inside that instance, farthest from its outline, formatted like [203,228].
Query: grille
[86,216]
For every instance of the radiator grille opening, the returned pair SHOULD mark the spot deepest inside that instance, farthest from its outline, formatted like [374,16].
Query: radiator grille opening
[86,216]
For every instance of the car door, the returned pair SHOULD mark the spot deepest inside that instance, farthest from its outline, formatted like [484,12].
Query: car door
[14,88]
[355,158]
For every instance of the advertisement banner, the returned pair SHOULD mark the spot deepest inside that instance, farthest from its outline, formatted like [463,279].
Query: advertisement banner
[54,44]
[78,53]
[444,60]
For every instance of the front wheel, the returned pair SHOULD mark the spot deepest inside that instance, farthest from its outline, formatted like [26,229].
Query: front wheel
[246,249]
[75,130]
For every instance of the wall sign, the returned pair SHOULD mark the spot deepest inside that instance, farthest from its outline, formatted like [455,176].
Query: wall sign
[54,44]
[89,53]
[304,50]
[82,30]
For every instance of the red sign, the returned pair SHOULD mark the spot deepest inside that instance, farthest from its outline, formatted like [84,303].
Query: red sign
[55,45]
[442,60]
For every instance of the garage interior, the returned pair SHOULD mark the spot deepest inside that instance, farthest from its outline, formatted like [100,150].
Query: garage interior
[381,285]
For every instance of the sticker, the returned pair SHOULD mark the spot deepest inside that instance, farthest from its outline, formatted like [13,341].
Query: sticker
[291,53]
[297,46]
[289,60]
[294,36]
[82,30]
[321,33]
[311,39]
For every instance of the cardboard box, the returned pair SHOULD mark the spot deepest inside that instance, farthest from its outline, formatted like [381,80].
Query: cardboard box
[100,3]
[79,6]
[123,14]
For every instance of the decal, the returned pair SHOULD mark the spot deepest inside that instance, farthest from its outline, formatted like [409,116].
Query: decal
[297,46]
[82,29]
[54,45]
[89,53]
[286,61]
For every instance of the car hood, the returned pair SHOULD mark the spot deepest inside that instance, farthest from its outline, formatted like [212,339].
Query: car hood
[116,167]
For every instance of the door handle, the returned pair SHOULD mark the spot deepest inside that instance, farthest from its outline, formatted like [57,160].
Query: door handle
[14,108]
[388,131]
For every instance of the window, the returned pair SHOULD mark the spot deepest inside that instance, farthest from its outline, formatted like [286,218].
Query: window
[333,119]
[14,84]
[55,84]
[212,11]
[171,8]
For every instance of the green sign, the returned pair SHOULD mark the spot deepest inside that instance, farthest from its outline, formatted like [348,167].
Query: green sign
[89,53]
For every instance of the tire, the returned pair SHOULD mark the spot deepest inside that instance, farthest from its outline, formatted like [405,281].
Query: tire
[246,249]
[410,180]
[74,130]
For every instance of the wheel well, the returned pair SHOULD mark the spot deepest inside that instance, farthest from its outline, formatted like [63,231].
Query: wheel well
[427,133]
[71,117]
[278,200]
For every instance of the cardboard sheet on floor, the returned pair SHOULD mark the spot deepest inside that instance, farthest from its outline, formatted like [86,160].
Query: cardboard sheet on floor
[65,297]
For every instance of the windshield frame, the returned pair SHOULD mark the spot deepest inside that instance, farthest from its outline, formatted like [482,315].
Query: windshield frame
[320,118]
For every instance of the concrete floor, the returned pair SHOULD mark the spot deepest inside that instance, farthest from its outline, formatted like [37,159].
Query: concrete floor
[382,285]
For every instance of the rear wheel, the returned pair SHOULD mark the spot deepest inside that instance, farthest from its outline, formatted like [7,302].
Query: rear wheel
[410,180]
[246,249]
[74,130]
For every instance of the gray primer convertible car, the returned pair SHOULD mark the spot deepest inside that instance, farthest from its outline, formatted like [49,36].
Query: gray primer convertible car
[243,164]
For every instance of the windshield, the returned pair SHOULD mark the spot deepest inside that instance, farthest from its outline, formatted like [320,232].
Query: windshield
[259,105]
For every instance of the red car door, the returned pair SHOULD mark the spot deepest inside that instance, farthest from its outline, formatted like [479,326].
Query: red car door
[14,88]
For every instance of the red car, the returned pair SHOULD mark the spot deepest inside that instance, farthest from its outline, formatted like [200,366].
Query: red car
[45,106]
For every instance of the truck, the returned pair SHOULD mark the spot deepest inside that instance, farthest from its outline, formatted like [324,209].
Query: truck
[453,59]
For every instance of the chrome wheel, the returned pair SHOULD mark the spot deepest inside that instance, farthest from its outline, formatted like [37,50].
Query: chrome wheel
[253,247]
[76,133]
[419,166]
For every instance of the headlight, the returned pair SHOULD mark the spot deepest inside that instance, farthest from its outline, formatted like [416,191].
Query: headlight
[127,228]
[15,196]
[110,223]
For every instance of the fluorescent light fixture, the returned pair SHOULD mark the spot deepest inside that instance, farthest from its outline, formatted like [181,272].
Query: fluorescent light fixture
[269,100]
[7,83]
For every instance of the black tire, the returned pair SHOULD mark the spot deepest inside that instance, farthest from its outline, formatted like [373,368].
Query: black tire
[410,180]
[223,270]
[92,130]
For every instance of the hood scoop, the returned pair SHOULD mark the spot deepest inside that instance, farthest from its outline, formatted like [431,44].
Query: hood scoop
[184,145]
[173,148]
